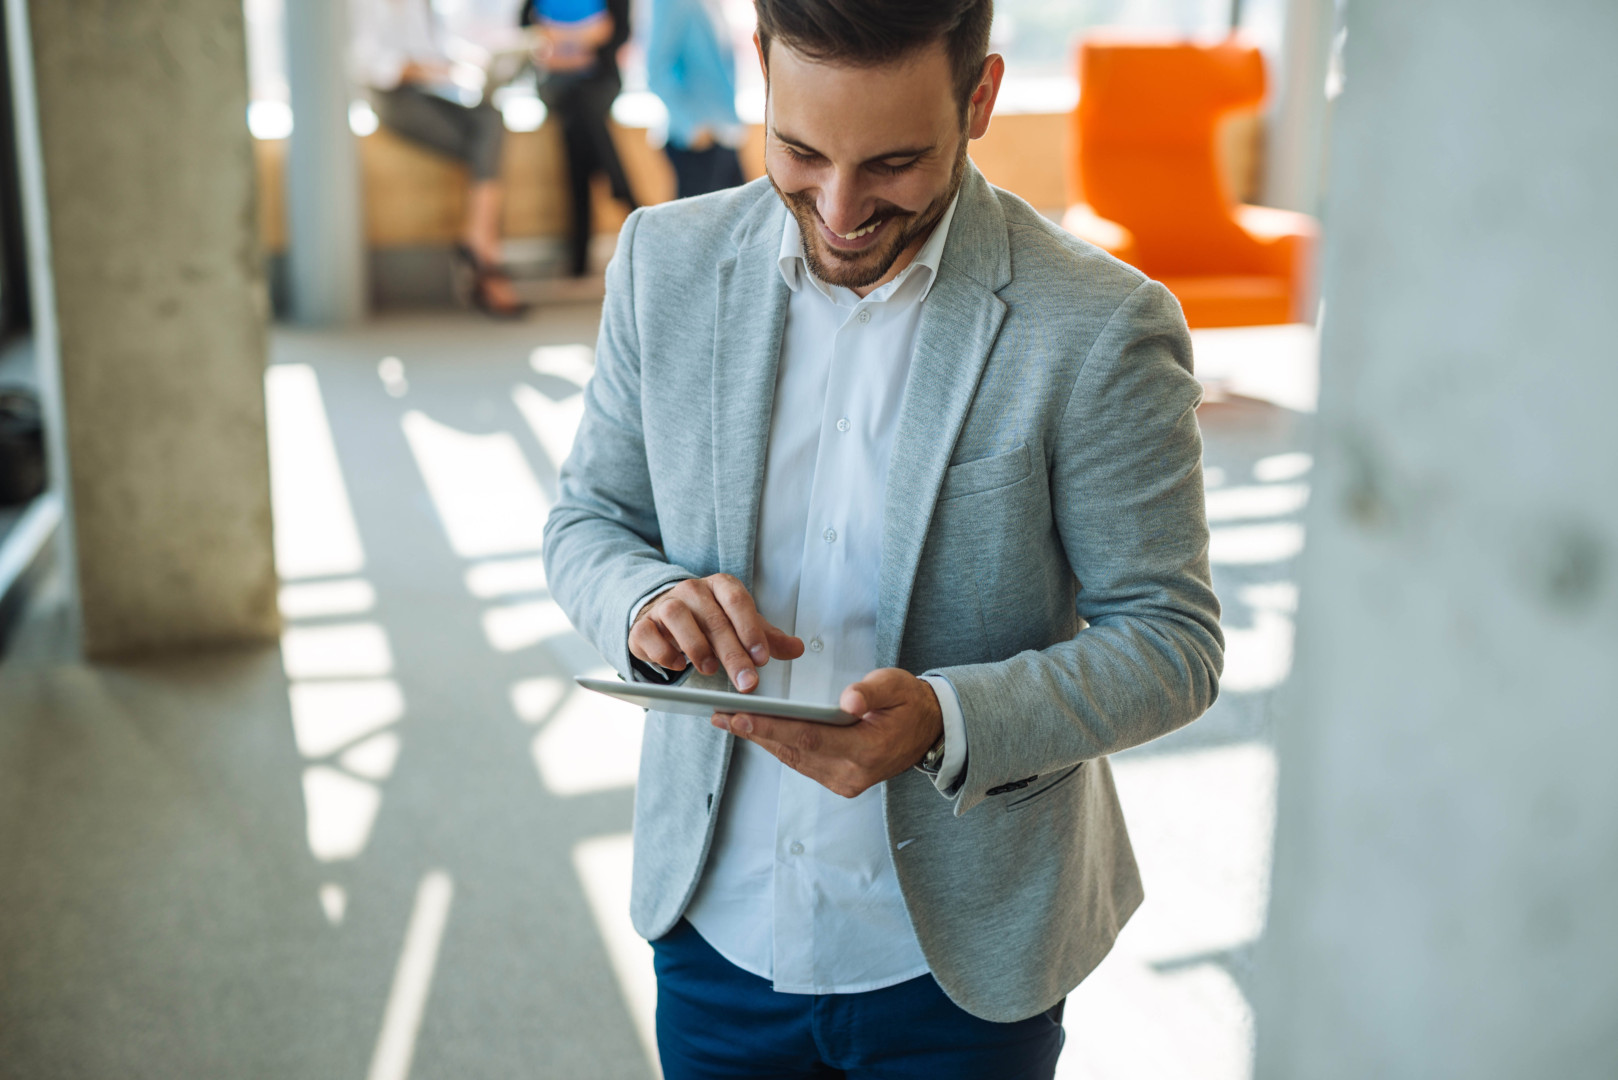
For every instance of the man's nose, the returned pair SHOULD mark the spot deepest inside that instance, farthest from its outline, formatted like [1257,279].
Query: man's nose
[843,205]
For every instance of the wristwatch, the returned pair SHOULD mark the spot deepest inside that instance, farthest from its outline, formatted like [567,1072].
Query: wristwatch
[933,759]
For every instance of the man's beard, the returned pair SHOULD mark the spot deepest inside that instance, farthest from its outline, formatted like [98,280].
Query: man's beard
[855,270]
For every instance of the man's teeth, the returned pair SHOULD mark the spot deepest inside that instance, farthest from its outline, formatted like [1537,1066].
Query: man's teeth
[857,233]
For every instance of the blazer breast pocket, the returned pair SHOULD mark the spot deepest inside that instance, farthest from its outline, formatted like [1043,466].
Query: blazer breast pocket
[985,474]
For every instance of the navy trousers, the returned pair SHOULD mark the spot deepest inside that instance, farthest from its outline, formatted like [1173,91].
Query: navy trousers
[697,172]
[715,1021]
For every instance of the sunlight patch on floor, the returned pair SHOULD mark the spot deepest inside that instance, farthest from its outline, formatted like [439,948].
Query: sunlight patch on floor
[1256,501]
[412,979]
[603,865]
[327,716]
[1277,364]
[533,700]
[319,599]
[315,534]
[592,743]
[1253,545]
[1257,657]
[511,627]
[374,758]
[1201,823]
[347,650]
[334,902]
[1278,467]
[342,810]
[486,495]
[506,577]
[574,363]
[554,423]
[339,695]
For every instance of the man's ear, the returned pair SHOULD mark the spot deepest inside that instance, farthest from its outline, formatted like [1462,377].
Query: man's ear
[763,64]
[980,107]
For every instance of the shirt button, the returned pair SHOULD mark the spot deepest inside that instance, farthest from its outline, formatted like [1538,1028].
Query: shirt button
[865,315]
[815,645]
[843,424]
[830,536]
[796,848]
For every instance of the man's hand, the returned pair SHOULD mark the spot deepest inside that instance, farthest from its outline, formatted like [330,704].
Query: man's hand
[899,722]
[708,622]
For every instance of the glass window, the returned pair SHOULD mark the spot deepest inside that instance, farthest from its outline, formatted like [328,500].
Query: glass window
[1038,37]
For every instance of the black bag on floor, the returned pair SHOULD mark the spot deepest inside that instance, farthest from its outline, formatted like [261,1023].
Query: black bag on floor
[22,447]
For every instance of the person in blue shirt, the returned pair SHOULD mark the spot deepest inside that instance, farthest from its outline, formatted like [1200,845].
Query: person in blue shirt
[579,80]
[690,65]
[572,29]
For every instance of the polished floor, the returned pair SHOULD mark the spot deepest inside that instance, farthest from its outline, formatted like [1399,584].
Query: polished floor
[398,844]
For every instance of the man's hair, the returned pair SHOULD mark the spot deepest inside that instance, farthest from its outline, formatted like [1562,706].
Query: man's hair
[862,32]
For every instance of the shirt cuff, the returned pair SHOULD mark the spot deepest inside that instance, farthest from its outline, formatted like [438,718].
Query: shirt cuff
[953,769]
[638,666]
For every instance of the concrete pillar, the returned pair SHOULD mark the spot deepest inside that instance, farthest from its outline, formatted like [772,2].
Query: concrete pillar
[1294,155]
[326,242]
[149,310]
[1447,851]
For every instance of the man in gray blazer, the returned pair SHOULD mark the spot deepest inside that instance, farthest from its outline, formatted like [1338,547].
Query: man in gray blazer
[873,431]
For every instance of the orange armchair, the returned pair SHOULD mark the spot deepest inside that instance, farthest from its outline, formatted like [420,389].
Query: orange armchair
[1152,193]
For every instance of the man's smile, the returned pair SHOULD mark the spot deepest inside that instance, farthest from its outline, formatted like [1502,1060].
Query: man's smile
[855,242]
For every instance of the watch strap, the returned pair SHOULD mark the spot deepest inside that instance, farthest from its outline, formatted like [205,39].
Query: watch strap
[933,759]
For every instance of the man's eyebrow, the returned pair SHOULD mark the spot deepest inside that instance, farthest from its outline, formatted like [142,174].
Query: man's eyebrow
[902,152]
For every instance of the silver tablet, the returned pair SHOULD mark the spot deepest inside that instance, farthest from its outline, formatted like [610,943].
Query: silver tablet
[699,702]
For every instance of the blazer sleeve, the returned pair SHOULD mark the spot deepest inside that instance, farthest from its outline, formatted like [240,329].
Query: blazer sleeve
[1127,497]
[602,542]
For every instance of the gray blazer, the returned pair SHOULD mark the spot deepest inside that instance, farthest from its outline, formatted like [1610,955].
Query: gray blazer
[1045,548]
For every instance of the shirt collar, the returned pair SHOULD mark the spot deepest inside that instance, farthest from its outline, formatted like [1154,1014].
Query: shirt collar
[795,269]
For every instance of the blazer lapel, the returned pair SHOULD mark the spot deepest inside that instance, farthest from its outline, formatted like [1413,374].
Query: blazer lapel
[751,316]
[960,320]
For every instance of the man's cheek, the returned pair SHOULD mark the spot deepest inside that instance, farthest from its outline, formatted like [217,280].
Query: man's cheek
[789,176]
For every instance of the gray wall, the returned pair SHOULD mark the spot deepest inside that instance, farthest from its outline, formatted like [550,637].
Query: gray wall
[1446,886]
[1298,113]
[150,312]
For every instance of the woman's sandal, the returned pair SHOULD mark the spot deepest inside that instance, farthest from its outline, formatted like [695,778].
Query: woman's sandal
[472,278]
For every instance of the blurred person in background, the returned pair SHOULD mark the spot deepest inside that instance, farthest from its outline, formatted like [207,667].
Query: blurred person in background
[579,80]
[691,66]
[571,31]
[405,54]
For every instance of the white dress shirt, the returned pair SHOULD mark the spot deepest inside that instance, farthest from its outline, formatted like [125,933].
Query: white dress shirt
[800,886]
[385,35]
